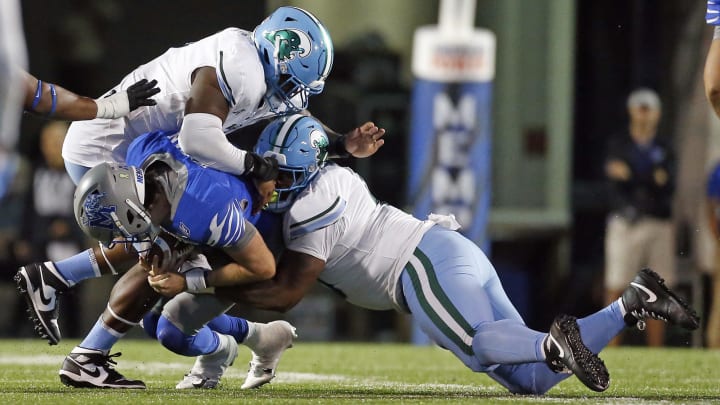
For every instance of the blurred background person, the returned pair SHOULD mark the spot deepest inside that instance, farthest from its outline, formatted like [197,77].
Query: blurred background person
[640,232]
[712,331]
[13,58]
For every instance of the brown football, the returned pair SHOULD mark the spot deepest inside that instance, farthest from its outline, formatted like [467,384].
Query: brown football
[167,247]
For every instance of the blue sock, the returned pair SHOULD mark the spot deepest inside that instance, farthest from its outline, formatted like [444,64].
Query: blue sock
[101,337]
[598,329]
[150,323]
[79,267]
[205,341]
[507,342]
[230,325]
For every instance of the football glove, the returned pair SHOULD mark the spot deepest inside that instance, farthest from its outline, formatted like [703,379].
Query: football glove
[261,168]
[139,93]
[116,105]
[712,17]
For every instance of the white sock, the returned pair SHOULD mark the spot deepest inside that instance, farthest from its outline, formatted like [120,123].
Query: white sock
[252,337]
[623,311]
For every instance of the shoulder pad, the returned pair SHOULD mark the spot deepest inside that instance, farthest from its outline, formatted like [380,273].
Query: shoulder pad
[309,215]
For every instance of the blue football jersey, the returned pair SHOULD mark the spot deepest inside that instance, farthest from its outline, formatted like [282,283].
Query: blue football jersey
[209,207]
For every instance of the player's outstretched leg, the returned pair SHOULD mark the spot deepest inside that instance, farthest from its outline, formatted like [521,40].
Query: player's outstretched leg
[209,368]
[87,368]
[648,296]
[566,352]
[40,283]
[268,342]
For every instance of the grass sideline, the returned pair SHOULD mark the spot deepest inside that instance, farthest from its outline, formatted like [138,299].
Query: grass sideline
[349,373]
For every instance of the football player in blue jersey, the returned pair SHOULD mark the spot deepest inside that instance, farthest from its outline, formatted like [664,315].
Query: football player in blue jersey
[209,88]
[126,207]
[379,257]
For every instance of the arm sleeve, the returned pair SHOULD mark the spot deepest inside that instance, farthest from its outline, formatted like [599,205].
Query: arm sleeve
[201,136]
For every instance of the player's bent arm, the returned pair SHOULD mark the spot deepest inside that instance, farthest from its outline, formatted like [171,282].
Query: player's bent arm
[296,275]
[711,76]
[361,142]
[201,135]
[252,262]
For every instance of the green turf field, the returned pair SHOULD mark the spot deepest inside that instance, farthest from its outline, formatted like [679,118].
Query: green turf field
[354,373]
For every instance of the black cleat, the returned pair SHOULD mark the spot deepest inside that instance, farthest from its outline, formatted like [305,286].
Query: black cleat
[87,368]
[40,284]
[565,352]
[648,296]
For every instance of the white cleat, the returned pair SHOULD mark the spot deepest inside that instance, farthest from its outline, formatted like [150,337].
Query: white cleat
[270,342]
[209,368]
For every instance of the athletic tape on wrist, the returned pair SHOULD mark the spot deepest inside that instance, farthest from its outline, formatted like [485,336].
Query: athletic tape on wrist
[114,106]
[195,279]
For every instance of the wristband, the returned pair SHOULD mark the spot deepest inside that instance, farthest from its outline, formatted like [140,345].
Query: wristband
[53,97]
[38,95]
[337,148]
[195,279]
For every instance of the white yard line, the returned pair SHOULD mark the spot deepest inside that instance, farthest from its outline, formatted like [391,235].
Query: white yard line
[290,377]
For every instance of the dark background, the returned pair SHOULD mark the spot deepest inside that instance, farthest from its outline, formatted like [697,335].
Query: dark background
[621,44]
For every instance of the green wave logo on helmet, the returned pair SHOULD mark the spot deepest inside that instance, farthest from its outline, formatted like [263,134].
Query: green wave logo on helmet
[289,42]
[319,141]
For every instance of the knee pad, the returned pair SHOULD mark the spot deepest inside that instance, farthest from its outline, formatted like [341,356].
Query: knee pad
[149,323]
[171,337]
[190,312]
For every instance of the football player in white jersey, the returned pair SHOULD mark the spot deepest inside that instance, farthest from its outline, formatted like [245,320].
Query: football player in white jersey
[216,85]
[379,257]
[208,88]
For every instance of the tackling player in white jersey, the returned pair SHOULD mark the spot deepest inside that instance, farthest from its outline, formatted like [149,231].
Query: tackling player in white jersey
[214,86]
[381,258]
[209,88]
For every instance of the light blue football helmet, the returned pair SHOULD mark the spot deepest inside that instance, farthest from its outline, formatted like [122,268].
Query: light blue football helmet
[297,55]
[300,145]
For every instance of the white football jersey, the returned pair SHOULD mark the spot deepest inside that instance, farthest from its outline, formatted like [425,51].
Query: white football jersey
[364,243]
[240,74]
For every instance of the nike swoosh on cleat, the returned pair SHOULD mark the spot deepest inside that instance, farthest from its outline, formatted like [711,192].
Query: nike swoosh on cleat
[97,378]
[45,301]
[555,342]
[651,295]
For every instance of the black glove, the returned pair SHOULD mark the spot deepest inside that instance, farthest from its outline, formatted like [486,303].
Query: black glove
[261,168]
[139,93]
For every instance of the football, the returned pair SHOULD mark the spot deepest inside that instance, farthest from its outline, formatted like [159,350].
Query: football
[167,248]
